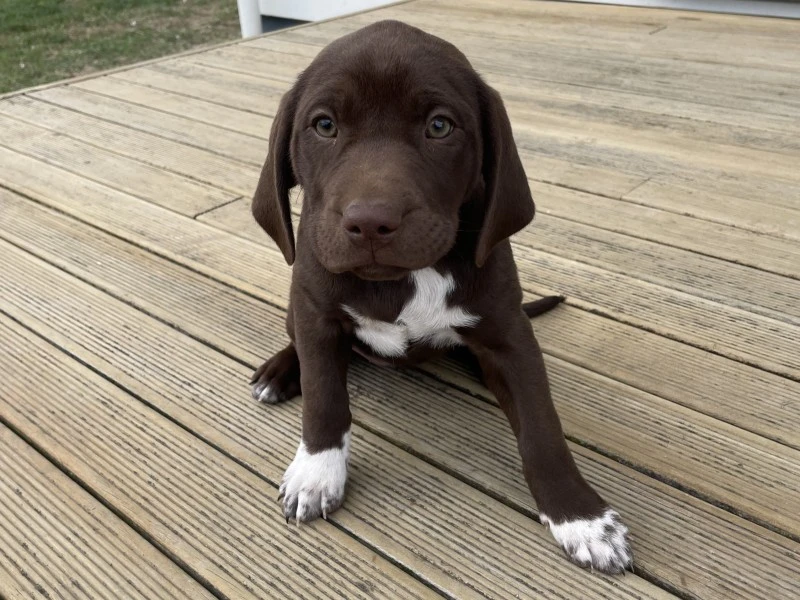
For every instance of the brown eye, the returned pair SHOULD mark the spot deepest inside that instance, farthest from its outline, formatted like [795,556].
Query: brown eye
[325,127]
[439,127]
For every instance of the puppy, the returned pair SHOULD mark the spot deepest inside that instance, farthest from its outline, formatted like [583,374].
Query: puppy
[412,187]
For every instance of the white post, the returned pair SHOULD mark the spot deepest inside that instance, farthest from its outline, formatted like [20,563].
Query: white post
[249,18]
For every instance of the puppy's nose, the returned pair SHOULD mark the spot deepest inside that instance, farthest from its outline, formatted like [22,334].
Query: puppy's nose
[371,222]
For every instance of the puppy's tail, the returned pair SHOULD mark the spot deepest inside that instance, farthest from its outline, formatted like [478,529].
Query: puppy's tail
[542,305]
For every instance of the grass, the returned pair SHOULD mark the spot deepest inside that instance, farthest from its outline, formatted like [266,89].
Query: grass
[47,40]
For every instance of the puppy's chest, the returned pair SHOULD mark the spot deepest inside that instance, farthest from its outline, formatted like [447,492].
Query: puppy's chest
[426,318]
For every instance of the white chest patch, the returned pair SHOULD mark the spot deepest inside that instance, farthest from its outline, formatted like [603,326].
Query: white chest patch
[426,318]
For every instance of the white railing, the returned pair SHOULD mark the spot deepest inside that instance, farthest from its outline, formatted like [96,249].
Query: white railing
[251,11]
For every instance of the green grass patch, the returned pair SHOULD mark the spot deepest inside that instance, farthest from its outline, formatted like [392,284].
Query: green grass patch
[47,40]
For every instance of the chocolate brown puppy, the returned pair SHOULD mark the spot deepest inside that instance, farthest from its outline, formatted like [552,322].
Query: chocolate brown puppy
[412,187]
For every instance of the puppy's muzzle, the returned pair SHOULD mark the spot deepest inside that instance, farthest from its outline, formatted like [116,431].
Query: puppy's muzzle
[371,224]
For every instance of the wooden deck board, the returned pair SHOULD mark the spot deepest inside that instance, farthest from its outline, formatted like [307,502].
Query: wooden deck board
[752,339]
[59,541]
[671,441]
[670,228]
[721,391]
[493,464]
[157,185]
[706,382]
[207,510]
[661,148]
[240,263]
[210,397]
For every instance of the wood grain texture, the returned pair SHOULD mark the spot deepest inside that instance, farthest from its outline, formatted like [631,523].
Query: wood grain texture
[754,339]
[747,214]
[662,150]
[439,528]
[209,250]
[427,419]
[676,229]
[210,512]
[189,132]
[690,376]
[156,151]
[760,90]
[157,185]
[171,103]
[60,542]
[671,228]
[729,242]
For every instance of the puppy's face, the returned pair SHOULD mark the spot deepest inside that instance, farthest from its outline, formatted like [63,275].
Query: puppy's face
[386,144]
[394,139]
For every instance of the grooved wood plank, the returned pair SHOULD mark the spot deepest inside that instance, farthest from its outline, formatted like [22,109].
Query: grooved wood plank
[649,152]
[264,100]
[177,104]
[242,147]
[161,187]
[744,88]
[769,54]
[657,148]
[262,94]
[717,207]
[620,155]
[166,154]
[259,269]
[241,326]
[207,248]
[58,541]
[744,247]
[749,473]
[731,332]
[766,252]
[439,528]
[685,272]
[213,88]
[212,513]
[712,384]
[752,290]
[274,49]
[264,65]
[678,32]
[585,89]
[571,107]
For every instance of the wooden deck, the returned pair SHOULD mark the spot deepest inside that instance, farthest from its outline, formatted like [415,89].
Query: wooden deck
[137,296]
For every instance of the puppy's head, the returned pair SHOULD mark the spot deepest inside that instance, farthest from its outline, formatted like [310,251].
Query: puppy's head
[391,133]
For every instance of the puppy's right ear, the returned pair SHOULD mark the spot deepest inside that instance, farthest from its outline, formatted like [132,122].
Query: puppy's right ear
[271,207]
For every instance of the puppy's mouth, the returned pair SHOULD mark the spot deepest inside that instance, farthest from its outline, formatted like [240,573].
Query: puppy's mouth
[377,272]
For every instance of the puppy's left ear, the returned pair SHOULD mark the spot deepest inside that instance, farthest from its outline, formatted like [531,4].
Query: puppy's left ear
[271,207]
[508,205]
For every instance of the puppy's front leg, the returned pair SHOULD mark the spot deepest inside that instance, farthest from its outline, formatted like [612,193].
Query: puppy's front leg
[314,484]
[588,530]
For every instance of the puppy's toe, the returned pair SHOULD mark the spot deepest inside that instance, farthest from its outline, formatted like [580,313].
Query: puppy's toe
[265,392]
[598,543]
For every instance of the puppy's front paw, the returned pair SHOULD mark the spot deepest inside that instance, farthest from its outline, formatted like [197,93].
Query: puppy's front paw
[278,379]
[314,484]
[599,543]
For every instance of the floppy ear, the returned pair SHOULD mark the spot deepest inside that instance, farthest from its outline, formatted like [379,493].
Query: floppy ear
[508,206]
[271,201]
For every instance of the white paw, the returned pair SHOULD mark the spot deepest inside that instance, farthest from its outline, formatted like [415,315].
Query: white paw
[314,484]
[600,543]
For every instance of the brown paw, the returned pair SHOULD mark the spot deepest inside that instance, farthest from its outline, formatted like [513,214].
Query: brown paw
[278,379]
